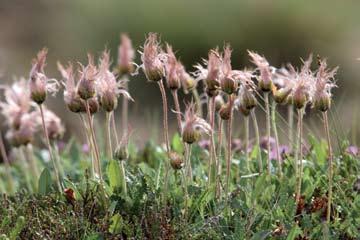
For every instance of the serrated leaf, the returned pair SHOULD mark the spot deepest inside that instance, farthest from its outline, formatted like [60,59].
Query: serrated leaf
[45,182]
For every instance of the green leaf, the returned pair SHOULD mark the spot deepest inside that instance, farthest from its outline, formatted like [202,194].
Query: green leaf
[295,231]
[114,175]
[177,144]
[116,224]
[45,182]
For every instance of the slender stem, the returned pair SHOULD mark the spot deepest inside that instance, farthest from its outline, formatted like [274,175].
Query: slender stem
[125,108]
[218,162]
[247,142]
[32,162]
[298,156]
[330,168]
[197,101]
[24,167]
[122,169]
[188,167]
[10,180]
[229,150]
[290,110]
[166,137]
[165,115]
[257,135]
[108,135]
[114,128]
[268,131]
[46,135]
[274,127]
[89,142]
[177,109]
[95,146]
[212,158]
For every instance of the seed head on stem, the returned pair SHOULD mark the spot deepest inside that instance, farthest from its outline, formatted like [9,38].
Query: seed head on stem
[126,55]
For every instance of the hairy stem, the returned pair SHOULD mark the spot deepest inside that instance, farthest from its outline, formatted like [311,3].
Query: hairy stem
[125,108]
[114,128]
[108,135]
[188,167]
[47,139]
[257,136]
[268,131]
[212,157]
[196,96]
[218,162]
[298,156]
[229,150]
[9,178]
[274,127]
[246,122]
[94,143]
[166,136]
[290,110]
[330,167]
[177,109]
[90,144]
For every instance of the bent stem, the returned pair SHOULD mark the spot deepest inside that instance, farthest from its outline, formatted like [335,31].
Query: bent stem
[246,123]
[257,136]
[268,131]
[177,109]
[229,151]
[47,139]
[166,135]
[298,156]
[273,119]
[330,168]
[94,143]
[9,178]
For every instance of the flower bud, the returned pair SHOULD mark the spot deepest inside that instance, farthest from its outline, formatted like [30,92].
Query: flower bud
[126,56]
[94,105]
[108,101]
[265,86]
[245,111]
[176,160]
[152,58]
[190,134]
[38,88]
[219,102]
[322,102]
[300,98]
[211,92]
[86,86]
[281,95]
[225,111]
[75,103]
[188,83]
[248,100]
[228,85]
[121,152]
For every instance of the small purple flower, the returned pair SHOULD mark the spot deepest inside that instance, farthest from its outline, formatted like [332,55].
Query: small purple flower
[352,150]
[85,148]
[264,142]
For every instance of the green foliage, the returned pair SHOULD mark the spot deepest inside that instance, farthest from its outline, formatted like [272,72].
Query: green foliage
[45,182]
[259,207]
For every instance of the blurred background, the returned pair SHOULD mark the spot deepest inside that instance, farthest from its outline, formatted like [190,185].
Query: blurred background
[284,31]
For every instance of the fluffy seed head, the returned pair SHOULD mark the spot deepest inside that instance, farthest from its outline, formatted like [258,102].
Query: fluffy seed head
[176,161]
[87,84]
[213,70]
[153,58]
[303,88]
[227,82]
[324,84]
[39,84]
[193,125]
[126,55]
[71,97]
[265,82]
[172,69]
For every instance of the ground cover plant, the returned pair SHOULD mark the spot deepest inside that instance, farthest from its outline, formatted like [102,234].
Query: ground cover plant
[207,181]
